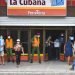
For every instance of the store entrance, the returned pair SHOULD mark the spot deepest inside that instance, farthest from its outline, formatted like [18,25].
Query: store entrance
[54,34]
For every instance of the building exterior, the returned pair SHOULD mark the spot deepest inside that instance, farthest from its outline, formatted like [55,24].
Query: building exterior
[25,27]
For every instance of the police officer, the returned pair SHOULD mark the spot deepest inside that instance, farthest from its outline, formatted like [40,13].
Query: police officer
[35,47]
[9,48]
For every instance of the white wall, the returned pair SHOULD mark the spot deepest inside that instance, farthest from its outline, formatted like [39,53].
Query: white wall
[33,21]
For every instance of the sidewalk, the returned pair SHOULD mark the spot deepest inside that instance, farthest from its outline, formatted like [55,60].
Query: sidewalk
[45,68]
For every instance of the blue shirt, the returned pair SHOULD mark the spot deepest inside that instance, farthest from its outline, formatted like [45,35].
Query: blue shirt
[2,44]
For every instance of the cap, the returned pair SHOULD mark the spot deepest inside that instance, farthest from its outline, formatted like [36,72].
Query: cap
[18,40]
[38,33]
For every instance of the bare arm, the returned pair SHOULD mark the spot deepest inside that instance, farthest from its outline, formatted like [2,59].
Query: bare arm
[22,50]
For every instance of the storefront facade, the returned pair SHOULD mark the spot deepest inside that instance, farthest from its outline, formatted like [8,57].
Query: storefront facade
[25,27]
[25,34]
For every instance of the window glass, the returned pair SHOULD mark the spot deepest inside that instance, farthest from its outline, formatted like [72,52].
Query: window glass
[13,34]
[24,40]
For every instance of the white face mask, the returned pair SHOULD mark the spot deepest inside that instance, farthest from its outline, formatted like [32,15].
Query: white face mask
[18,42]
[8,37]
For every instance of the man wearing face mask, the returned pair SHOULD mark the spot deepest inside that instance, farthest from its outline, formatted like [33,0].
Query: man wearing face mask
[35,47]
[9,48]
[2,49]
[18,49]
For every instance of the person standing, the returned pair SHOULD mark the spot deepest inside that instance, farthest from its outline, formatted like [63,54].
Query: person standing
[2,50]
[35,47]
[73,49]
[57,48]
[62,41]
[68,51]
[9,48]
[49,45]
[18,50]
[73,64]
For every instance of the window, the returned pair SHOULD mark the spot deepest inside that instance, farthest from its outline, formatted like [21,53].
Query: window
[24,40]
[13,34]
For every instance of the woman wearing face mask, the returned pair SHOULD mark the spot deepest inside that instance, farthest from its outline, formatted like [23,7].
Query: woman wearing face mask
[18,49]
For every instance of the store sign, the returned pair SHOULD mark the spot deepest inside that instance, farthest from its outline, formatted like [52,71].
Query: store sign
[37,8]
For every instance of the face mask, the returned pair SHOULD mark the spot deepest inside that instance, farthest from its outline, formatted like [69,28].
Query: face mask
[8,37]
[18,42]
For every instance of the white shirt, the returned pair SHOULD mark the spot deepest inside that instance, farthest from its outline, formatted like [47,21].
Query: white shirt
[56,43]
[74,46]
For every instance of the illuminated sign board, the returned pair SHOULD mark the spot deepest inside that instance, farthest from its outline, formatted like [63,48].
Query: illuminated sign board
[36,8]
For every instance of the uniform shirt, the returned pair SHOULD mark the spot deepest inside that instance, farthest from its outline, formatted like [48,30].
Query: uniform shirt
[9,43]
[1,44]
[36,42]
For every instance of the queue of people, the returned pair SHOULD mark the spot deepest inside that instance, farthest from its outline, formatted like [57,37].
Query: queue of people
[53,45]
[9,46]
[18,49]
[69,48]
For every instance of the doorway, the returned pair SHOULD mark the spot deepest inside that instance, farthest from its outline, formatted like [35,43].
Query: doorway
[55,34]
